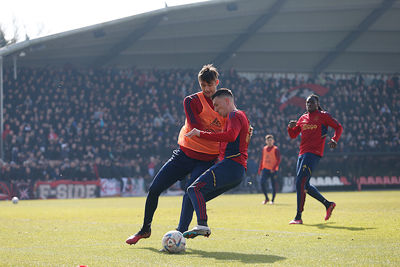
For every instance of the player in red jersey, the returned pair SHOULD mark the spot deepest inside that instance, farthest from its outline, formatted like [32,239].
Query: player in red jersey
[229,171]
[313,126]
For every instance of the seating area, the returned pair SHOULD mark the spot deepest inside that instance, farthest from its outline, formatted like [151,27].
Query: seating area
[85,124]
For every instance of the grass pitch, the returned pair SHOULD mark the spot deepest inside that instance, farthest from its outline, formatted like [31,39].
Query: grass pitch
[364,230]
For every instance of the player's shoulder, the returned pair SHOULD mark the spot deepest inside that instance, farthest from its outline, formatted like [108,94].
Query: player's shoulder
[192,97]
[238,115]
[325,113]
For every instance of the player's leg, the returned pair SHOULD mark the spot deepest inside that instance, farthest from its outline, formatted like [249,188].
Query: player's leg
[314,192]
[263,183]
[274,186]
[174,169]
[301,178]
[205,182]
[187,207]
[220,178]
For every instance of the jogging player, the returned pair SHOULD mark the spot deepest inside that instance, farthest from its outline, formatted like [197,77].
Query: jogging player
[313,127]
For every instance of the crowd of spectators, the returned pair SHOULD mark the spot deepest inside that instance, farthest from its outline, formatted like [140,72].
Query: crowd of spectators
[85,124]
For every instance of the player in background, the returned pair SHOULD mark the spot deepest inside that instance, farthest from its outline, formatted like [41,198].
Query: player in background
[229,171]
[269,166]
[313,127]
[194,155]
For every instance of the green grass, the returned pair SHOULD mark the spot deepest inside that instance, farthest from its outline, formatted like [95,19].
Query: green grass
[364,231]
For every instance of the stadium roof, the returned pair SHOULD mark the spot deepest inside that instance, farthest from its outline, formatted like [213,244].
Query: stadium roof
[248,35]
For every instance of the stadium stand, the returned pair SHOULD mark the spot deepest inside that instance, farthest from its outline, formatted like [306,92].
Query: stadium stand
[82,124]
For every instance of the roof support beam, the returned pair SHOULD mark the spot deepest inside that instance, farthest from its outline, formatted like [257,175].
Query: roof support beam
[126,42]
[352,36]
[245,36]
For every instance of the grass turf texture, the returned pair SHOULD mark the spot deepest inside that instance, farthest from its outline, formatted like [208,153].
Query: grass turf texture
[364,230]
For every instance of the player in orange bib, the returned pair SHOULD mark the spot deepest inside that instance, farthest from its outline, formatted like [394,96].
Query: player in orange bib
[269,166]
[194,155]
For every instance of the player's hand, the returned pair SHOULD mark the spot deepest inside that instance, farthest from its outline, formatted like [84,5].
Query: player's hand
[193,132]
[251,130]
[292,124]
[332,144]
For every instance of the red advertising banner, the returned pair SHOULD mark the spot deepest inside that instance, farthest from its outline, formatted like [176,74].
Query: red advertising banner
[380,181]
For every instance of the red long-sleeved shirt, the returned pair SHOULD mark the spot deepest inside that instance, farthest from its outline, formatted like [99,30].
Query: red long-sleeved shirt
[314,129]
[234,140]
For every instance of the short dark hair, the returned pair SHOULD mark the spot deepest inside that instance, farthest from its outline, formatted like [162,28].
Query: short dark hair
[208,73]
[222,92]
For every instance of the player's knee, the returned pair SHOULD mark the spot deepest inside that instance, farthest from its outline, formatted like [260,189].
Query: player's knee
[307,186]
[190,189]
[154,191]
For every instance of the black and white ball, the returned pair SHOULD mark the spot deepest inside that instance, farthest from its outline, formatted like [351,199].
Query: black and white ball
[15,200]
[173,242]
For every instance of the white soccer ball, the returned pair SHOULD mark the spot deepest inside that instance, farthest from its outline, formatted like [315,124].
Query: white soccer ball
[173,242]
[15,200]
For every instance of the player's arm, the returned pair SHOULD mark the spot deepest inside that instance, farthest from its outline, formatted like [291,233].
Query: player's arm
[336,126]
[293,129]
[278,159]
[233,129]
[193,108]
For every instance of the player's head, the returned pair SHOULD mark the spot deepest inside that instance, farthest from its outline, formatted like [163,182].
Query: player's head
[208,79]
[223,101]
[269,140]
[312,103]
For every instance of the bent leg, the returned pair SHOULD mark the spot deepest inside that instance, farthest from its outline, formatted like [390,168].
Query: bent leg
[173,170]
[187,206]
[220,178]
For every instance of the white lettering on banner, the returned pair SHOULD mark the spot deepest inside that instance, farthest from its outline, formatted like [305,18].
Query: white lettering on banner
[44,191]
[91,190]
[79,191]
[62,191]
[66,189]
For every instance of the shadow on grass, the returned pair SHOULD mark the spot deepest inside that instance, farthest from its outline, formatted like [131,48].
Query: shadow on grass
[330,226]
[231,256]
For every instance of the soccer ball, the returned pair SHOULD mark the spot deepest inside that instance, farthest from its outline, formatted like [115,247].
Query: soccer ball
[15,200]
[173,242]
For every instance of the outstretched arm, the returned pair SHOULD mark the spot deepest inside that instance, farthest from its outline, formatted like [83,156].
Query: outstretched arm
[233,129]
